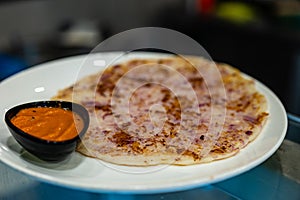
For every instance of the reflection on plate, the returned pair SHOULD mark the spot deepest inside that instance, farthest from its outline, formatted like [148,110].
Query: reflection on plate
[79,172]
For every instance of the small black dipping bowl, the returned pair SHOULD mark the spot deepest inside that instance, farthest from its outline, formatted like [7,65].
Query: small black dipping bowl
[44,149]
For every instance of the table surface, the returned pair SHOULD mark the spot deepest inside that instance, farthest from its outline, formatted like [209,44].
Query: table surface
[276,178]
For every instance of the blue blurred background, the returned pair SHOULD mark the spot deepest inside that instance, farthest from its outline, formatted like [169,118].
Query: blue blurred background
[260,38]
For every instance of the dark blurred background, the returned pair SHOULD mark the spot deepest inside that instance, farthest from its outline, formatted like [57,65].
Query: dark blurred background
[261,38]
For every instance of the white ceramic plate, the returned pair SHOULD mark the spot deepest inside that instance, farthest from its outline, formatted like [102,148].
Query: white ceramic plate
[79,172]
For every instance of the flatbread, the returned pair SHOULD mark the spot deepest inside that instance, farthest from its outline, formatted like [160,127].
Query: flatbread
[174,110]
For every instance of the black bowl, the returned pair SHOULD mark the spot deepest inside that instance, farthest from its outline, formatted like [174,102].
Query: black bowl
[45,149]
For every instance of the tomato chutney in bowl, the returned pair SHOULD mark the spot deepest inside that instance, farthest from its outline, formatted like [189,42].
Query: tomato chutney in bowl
[49,130]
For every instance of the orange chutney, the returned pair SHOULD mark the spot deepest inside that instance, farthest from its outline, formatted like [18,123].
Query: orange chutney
[53,124]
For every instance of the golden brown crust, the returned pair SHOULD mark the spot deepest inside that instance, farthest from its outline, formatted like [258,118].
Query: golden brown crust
[112,139]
